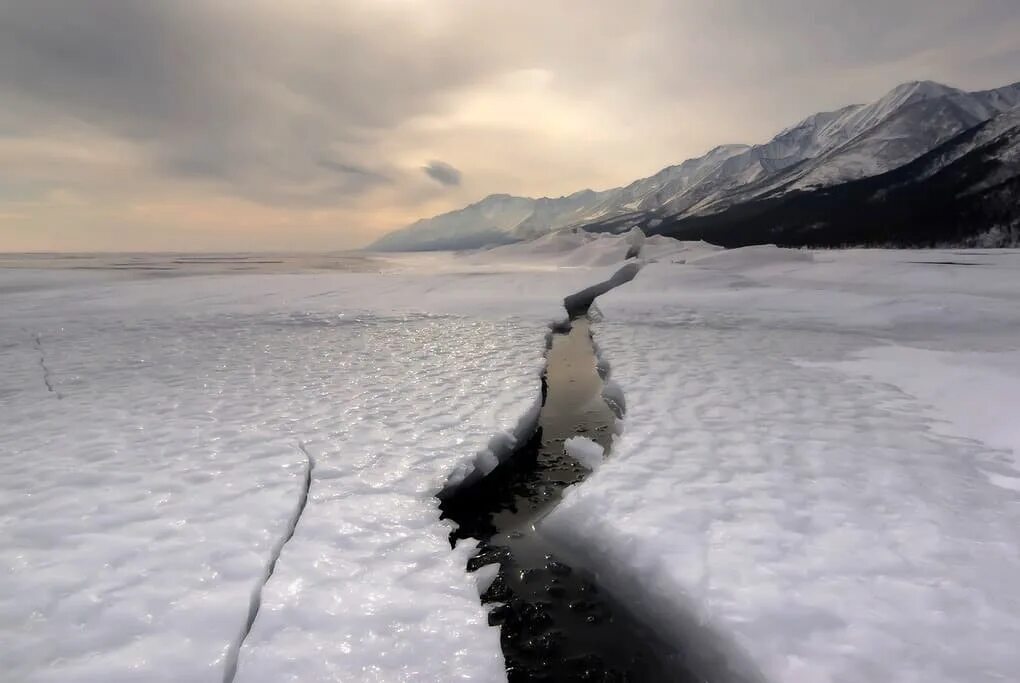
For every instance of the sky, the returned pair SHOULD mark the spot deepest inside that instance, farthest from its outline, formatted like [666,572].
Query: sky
[308,125]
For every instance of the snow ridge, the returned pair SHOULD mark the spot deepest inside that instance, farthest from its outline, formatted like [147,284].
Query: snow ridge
[46,376]
[256,597]
[580,301]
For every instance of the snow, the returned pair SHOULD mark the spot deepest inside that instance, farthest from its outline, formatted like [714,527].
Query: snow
[817,474]
[580,249]
[975,393]
[563,249]
[757,256]
[157,435]
[661,248]
[585,451]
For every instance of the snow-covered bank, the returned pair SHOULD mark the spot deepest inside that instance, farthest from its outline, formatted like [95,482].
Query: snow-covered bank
[578,249]
[140,512]
[813,484]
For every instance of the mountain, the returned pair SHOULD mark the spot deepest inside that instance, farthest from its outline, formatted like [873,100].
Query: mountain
[497,219]
[823,150]
[486,222]
[910,120]
[963,192]
[834,147]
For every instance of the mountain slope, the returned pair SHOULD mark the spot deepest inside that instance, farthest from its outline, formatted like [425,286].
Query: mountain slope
[486,222]
[912,119]
[963,192]
[822,150]
[830,148]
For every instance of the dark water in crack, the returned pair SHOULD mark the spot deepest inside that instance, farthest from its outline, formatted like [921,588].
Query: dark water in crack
[556,623]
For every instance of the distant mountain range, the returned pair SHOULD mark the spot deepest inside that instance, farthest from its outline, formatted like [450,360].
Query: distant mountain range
[924,164]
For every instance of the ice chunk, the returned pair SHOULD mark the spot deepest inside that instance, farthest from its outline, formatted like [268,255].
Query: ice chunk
[585,451]
[484,576]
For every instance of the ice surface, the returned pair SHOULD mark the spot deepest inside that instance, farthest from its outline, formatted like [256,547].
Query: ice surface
[140,510]
[812,483]
[585,451]
[975,393]
[817,478]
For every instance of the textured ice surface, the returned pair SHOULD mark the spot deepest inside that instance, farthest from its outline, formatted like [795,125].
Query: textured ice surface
[808,487]
[817,479]
[976,394]
[154,434]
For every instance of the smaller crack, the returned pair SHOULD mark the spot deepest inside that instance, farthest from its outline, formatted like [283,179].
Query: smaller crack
[47,380]
[256,598]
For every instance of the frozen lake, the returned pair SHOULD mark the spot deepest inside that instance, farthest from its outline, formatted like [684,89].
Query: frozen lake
[229,463]
[194,264]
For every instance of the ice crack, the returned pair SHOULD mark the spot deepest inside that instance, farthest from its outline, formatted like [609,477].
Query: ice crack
[256,598]
[556,621]
[47,380]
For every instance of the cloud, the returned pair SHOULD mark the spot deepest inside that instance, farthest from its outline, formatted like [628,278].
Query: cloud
[301,110]
[251,99]
[443,173]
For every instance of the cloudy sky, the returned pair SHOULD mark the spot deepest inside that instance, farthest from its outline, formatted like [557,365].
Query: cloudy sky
[320,124]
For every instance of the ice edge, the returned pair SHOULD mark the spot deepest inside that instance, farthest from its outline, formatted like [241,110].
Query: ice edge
[710,652]
[503,444]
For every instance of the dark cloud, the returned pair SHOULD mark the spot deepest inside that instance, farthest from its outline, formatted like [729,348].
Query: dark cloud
[354,171]
[248,97]
[443,173]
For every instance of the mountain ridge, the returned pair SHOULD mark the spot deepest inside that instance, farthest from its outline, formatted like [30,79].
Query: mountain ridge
[821,150]
[964,192]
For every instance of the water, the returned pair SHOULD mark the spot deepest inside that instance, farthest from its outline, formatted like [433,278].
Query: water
[556,623]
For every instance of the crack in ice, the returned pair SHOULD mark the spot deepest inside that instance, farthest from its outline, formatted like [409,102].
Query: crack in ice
[256,599]
[46,377]
[538,600]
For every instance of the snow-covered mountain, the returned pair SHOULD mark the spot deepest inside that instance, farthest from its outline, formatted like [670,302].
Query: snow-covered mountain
[910,120]
[823,150]
[489,221]
[830,148]
[966,192]
[497,219]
